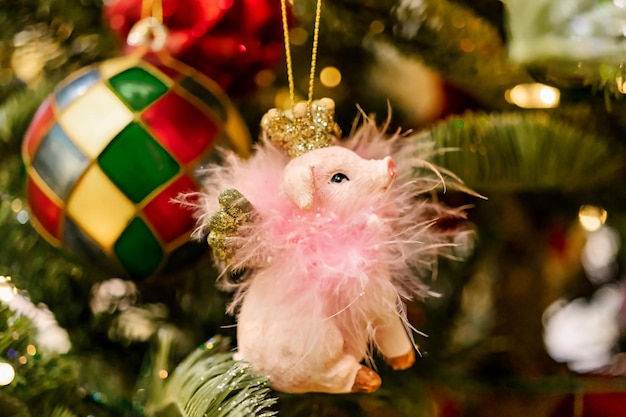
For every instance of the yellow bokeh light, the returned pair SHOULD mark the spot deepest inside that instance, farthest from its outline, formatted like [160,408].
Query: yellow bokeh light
[621,84]
[16,205]
[591,218]
[282,99]
[466,45]
[7,290]
[533,96]
[548,95]
[377,27]
[298,36]
[264,78]
[330,77]
[163,374]
[31,350]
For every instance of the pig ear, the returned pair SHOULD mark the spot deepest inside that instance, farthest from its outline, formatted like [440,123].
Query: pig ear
[298,185]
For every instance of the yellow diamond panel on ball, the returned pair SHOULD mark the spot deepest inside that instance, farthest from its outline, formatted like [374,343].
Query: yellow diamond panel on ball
[100,208]
[116,65]
[236,133]
[93,119]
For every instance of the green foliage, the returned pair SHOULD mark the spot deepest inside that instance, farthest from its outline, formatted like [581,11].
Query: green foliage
[575,148]
[62,412]
[570,40]
[17,111]
[42,380]
[524,151]
[69,34]
[445,35]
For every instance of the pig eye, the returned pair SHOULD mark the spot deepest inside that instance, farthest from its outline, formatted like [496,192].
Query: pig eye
[339,178]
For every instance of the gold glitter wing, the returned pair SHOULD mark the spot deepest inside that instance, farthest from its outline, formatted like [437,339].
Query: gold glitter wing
[235,210]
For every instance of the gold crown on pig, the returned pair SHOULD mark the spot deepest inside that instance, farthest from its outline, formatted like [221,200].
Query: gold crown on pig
[304,128]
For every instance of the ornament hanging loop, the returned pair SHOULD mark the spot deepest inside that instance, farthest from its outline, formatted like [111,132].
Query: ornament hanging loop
[149,33]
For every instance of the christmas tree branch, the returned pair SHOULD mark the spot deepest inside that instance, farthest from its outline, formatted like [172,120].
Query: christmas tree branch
[209,382]
[524,151]
[42,379]
[62,412]
[17,112]
[448,37]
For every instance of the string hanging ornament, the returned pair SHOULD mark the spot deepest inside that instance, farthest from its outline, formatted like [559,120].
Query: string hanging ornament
[322,240]
[307,125]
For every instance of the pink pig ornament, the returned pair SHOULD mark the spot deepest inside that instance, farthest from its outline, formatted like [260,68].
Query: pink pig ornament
[340,237]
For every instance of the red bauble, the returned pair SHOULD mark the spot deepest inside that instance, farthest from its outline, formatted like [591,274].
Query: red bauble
[603,404]
[228,40]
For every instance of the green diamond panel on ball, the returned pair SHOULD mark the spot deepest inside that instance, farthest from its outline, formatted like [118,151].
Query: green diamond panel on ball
[137,87]
[136,163]
[139,252]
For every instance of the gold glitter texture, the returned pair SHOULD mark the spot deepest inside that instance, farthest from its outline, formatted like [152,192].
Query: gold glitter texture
[235,210]
[306,127]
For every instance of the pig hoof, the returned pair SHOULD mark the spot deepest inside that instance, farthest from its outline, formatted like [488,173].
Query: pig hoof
[401,362]
[366,380]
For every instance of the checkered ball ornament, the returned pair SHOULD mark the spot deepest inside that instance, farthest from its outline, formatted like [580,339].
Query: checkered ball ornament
[112,146]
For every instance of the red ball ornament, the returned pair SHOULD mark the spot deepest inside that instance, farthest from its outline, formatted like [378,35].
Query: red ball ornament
[230,41]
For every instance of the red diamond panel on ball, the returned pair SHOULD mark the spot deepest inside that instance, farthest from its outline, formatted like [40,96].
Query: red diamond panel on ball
[41,123]
[170,219]
[45,211]
[181,127]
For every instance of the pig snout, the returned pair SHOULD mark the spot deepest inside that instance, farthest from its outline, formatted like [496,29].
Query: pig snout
[377,174]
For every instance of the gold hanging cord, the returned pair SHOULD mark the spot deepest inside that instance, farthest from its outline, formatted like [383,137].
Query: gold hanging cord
[316,30]
[152,8]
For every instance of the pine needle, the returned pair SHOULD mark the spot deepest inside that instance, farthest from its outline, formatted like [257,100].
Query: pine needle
[16,114]
[62,412]
[523,152]
[210,383]
[44,380]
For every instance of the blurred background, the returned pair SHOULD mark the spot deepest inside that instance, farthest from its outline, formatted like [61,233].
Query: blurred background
[105,296]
